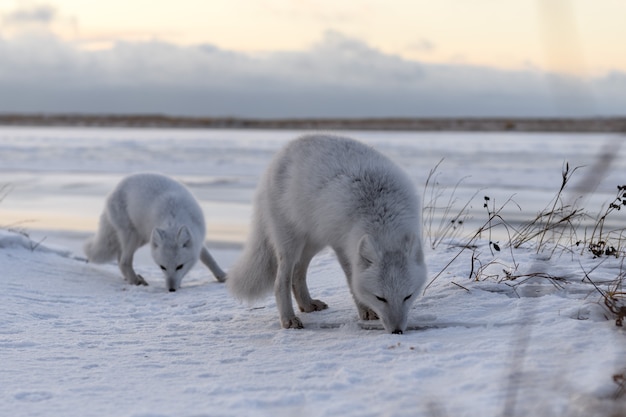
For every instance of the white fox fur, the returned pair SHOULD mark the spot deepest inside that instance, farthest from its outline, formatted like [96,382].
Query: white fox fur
[157,209]
[332,191]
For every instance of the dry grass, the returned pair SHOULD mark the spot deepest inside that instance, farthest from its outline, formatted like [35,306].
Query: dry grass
[604,242]
[451,218]
[556,228]
[5,189]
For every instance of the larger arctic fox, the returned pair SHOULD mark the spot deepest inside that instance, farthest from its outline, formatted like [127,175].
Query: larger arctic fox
[332,191]
[157,209]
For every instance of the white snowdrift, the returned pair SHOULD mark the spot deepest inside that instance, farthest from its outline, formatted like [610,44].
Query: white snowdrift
[75,340]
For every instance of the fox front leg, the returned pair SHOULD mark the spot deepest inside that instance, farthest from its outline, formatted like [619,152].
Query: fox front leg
[126,267]
[366,313]
[130,275]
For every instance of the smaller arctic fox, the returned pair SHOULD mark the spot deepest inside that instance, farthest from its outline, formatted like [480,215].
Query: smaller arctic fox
[332,191]
[156,209]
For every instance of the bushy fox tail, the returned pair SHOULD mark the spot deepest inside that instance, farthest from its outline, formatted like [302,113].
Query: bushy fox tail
[253,275]
[104,246]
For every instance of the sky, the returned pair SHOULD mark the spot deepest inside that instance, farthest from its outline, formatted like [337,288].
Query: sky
[314,58]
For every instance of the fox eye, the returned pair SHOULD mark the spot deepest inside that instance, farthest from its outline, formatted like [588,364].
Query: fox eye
[179,267]
[163,268]
[408,296]
[382,299]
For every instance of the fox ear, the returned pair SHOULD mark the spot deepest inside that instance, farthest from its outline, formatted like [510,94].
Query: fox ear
[183,238]
[367,251]
[415,247]
[158,236]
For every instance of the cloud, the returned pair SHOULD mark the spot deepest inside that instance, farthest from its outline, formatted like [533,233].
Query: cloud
[338,76]
[40,13]
[36,18]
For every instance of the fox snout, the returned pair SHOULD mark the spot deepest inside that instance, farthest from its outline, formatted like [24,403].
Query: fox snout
[395,322]
[394,329]
[172,284]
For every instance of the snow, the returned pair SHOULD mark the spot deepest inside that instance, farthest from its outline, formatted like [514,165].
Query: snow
[75,340]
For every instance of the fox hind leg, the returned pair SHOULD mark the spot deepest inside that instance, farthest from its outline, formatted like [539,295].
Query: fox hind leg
[208,260]
[288,256]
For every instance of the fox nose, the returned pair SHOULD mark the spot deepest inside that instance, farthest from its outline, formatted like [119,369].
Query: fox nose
[397,331]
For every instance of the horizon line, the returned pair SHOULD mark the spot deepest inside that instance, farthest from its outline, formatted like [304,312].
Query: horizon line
[588,124]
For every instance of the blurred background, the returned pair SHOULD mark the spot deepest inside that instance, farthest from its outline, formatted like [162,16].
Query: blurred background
[314,58]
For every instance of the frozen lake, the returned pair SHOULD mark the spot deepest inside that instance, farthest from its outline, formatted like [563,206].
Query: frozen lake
[57,178]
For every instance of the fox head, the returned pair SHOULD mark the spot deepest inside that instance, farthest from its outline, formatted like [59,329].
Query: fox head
[174,252]
[389,279]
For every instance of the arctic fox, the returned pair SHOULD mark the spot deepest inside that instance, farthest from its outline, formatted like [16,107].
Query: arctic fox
[157,209]
[332,191]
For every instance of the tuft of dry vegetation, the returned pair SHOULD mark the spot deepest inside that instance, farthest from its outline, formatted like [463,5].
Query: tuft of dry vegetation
[556,222]
[601,241]
[556,228]
[451,218]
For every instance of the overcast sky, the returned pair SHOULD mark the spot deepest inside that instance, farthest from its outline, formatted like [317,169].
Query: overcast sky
[281,58]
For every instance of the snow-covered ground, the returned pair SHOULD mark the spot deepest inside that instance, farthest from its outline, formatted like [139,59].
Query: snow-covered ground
[75,340]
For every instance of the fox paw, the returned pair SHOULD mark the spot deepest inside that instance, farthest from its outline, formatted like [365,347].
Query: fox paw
[367,314]
[315,305]
[140,280]
[292,323]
